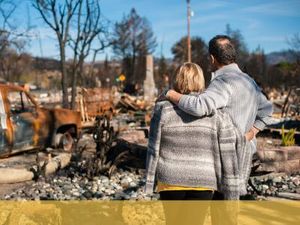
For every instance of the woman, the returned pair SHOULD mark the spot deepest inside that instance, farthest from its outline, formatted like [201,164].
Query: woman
[189,158]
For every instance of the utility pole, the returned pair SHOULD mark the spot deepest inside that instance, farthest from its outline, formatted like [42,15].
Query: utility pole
[189,58]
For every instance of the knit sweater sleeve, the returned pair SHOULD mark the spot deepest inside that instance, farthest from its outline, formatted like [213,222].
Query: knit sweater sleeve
[264,112]
[216,96]
[229,177]
[153,147]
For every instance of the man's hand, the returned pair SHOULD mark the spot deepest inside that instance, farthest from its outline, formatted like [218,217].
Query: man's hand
[251,133]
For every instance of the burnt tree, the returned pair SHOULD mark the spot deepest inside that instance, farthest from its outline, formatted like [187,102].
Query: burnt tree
[133,39]
[58,15]
[91,30]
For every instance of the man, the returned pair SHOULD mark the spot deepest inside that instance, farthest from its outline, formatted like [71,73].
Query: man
[230,89]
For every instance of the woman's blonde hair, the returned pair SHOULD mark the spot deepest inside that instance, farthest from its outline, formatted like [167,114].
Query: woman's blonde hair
[189,78]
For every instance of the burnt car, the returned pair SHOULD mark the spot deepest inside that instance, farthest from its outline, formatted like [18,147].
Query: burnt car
[24,125]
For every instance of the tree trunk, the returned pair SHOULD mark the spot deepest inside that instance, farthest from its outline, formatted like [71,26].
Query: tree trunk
[64,85]
[74,89]
[133,68]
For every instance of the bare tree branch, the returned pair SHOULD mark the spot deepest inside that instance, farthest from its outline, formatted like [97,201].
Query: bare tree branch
[58,15]
[89,27]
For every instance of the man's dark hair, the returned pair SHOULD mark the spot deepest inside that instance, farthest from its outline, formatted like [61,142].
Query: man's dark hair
[222,48]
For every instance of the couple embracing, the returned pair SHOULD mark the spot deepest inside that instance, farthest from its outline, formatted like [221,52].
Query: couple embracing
[201,141]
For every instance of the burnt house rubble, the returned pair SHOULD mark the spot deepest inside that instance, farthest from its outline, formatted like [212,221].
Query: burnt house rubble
[98,150]
[286,110]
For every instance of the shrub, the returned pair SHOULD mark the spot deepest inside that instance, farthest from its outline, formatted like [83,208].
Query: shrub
[287,138]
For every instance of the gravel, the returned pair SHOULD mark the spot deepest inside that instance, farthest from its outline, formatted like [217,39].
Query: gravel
[275,184]
[70,184]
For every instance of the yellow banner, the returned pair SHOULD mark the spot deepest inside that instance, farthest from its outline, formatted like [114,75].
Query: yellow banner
[149,212]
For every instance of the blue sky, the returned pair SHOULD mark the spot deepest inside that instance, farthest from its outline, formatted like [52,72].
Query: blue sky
[268,23]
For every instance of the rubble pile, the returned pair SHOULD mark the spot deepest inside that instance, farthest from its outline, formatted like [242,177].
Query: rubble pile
[94,101]
[286,103]
[72,184]
[277,185]
[75,183]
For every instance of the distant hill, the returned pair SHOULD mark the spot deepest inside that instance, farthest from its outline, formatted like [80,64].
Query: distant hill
[277,57]
[53,64]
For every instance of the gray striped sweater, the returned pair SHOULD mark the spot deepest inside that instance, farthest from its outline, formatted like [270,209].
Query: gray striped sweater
[185,150]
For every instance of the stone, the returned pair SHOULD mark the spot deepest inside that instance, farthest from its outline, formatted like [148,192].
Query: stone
[132,184]
[124,183]
[265,187]
[76,193]
[104,179]
[277,180]
[296,181]
[88,194]
[133,195]
[98,195]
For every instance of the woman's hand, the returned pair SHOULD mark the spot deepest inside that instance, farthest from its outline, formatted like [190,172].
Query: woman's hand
[162,96]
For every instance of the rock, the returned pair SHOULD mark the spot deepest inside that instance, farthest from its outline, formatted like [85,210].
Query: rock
[98,195]
[277,180]
[265,187]
[76,193]
[124,183]
[291,186]
[88,194]
[296,181]
[121,196]
[129,179]
[133,195]
[68,187]
[132,184]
